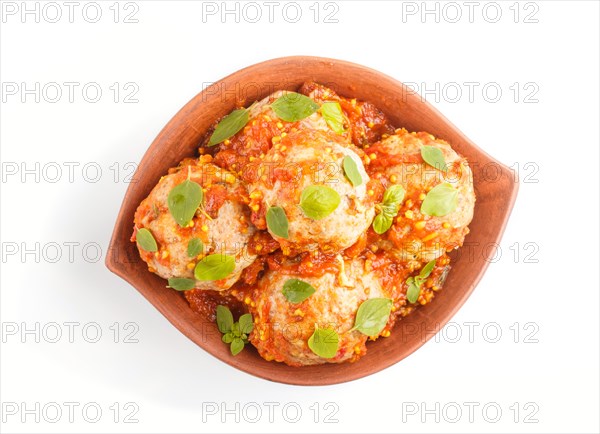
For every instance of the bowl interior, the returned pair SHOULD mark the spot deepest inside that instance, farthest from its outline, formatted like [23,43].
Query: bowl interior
[495,188]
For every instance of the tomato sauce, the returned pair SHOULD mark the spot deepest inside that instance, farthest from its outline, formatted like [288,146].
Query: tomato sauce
[205,302]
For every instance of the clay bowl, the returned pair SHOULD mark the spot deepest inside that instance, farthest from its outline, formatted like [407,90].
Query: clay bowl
[495,187]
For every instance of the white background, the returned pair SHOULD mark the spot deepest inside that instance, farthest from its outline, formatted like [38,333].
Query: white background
[550,288]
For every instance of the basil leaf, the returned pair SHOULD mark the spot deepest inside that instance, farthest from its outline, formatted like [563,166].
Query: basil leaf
[392,199]
[372,316]
[146,241]
[237,345]
[293,107]
[434,157]
[414,289]
[181,283]
[441,200]
[224,319]
[229,126]
[393,196]
[351,171]
[414,283]
[234,333]
[382,223]
[332,113]
[214,267]
[184,200]
[195,247]
[246,324]
[318,201]
[296,291]
[427,269]
[324,342]
[277,222]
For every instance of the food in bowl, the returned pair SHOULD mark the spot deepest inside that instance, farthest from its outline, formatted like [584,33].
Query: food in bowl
[313,220]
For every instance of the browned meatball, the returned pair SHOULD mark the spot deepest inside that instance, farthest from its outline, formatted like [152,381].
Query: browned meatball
[282,328]
[222,223]
[415,235]
[304,160]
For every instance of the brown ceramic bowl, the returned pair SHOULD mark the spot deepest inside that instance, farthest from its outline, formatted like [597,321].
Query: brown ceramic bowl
[495,187]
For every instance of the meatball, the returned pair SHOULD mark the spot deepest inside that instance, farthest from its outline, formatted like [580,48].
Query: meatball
[263,108]
[282,328]
[305,159]
[415,236]
[222,223]
[263,130]
[366,124]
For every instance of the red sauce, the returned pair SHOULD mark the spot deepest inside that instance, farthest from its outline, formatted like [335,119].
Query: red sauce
[262,243]
[239,153]
[385,159]
[205,302]
[214,197]
[367,123]
[251,272]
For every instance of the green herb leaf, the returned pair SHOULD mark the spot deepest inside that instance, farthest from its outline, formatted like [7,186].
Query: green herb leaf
[351,171]
[324,342]
[224,319]
[246,324]
[214,267]
[195,247]
[394,195]
[413,291]
[318,201]
[293,107]
[146,241]
[184,199]
[229,126]
[277,222]
[434,157]
[234,333]
[427,269]
[332,113]
[441,200]
[414,283]
[392,199]
[296,291]
[372,316]
[237,345]
[181,283]
[382,223]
